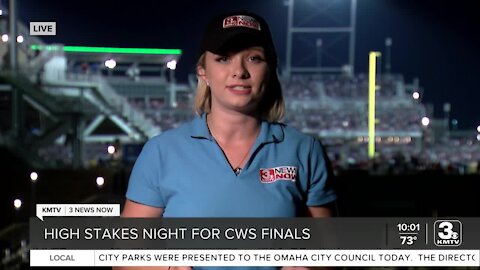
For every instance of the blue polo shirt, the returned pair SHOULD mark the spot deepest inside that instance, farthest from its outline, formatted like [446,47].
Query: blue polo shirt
[184,171]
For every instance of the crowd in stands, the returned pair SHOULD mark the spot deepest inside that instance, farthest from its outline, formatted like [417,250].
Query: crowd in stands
[452,157]
[56,155]
[355,118]
[300,87]
[338,86]
[323,104]
[95,154]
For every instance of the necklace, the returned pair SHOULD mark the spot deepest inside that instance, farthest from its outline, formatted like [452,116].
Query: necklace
[236,169]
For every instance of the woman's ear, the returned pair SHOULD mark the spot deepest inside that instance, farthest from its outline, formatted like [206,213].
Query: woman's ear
[201,74]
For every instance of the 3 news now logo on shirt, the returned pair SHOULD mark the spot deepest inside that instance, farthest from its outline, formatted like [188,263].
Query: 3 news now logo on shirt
[270,175]
[447,233]
[43,28]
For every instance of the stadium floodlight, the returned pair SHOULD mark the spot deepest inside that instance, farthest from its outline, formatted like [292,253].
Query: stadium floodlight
[33,176]
[478,137]
[478,129]
[111,149]
[388,41]
[416,95]
[425,121]
[110,63]
[17,203]
[100,181]
[5,38]
[172,64]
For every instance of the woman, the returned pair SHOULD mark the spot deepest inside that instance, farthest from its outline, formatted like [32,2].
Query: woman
[235,159]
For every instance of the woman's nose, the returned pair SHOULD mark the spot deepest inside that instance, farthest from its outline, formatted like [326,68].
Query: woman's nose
[240,70]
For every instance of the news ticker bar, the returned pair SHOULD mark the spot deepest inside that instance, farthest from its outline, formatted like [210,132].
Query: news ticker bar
[336,258]
[254,233]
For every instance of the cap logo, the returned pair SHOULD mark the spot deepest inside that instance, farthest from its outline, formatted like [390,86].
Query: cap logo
[241,21]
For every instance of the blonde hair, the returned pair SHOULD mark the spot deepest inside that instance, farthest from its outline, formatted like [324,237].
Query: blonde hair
[271,107]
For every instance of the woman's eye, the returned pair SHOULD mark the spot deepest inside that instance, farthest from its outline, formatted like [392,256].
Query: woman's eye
[256,59]
[221,59]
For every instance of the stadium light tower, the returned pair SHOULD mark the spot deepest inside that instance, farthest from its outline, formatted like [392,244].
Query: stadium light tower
[334,21]
[318,45]
[388,47]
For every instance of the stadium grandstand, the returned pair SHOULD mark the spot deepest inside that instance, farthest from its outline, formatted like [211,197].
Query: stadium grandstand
[72,101]
[75,113]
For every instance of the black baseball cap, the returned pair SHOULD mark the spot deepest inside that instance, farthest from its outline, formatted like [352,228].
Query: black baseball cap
[235,31]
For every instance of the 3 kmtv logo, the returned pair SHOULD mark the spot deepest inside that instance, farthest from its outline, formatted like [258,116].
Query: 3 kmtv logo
[271,175]
[447,233]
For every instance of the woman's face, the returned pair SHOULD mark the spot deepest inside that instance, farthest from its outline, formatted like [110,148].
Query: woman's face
[236,79]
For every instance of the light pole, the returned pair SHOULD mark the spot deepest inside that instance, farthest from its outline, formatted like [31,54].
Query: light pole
[426,133]
[388,46]
[33,180]
[100,181]
[478,135]
[318,44]
[172,65]
[17,204]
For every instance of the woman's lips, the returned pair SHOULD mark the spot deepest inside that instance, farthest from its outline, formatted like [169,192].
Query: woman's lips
[240,89]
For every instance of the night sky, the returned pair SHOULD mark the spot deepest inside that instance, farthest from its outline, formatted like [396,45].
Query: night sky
[435,41]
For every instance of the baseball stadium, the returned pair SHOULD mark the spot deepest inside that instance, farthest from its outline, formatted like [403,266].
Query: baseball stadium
[75,116]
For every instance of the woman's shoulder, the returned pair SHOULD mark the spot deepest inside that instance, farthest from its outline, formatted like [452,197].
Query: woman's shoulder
[178,133]
[293,133]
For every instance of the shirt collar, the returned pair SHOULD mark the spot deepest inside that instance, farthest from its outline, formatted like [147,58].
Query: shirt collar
[269,132]
[200,128]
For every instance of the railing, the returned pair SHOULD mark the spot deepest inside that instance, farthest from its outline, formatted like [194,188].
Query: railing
[115,103]
[134,116]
